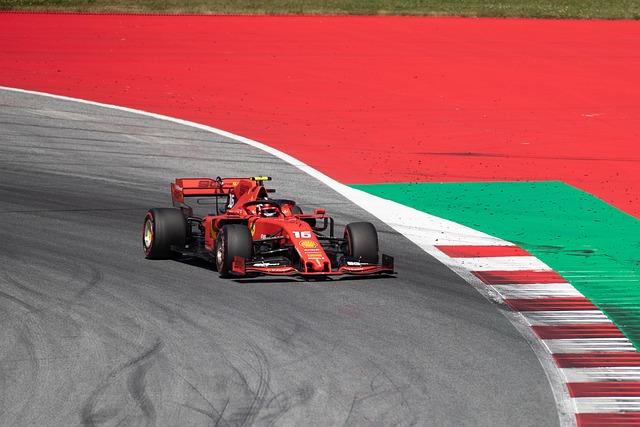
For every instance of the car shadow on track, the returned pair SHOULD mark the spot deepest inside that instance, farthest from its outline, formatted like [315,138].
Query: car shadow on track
[316,279]
[201,263]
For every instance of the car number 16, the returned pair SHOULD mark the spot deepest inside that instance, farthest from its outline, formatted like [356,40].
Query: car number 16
[302,234]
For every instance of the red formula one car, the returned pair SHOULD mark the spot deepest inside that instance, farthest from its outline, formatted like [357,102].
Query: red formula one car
[245,232]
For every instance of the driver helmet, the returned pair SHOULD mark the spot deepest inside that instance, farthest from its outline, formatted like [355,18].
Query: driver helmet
[266,210]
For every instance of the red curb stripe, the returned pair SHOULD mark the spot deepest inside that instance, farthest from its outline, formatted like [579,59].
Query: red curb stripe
[604,330]
[520,277]
[482,251]
[598,420]
[550,304]
[597,360]
[605,389]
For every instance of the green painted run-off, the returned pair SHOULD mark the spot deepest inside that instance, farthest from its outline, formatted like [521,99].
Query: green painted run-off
[593,245]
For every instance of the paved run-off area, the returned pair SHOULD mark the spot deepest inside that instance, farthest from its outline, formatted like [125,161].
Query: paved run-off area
[392,99]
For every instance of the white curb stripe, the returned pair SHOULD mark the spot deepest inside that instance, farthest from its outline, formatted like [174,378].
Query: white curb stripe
[507,263]
[606,404]
[537,291]
[581,375]
[548,318]
[589,345]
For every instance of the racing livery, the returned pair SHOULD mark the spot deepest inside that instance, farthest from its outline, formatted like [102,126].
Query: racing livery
[244,232]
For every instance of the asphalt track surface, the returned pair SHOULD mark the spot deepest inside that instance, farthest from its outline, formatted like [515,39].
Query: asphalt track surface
[94,334]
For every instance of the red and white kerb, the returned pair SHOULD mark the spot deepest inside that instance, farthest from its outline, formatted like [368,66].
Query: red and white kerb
[600,366]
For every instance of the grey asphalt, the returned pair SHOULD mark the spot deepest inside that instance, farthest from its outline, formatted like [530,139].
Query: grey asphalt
[91,333]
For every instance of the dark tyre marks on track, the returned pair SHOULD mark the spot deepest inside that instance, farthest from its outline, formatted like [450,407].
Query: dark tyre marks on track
[94,334]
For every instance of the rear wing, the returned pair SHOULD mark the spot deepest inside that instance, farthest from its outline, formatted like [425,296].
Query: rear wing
[203,187]
[200,187]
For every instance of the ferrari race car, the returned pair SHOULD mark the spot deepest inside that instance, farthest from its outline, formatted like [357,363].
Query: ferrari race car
[244,232]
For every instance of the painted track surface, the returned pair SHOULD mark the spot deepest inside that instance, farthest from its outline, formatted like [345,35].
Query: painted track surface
[404,99]
[94,333]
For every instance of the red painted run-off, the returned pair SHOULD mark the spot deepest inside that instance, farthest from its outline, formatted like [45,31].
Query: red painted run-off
[393,99]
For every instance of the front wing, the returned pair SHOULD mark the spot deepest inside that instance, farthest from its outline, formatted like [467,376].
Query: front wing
[240,267]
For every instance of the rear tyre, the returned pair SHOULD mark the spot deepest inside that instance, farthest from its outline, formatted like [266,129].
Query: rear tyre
[362,241]
[233,240]
[163,228]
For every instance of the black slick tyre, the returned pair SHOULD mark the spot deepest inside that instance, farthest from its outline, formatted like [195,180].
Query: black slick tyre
[163,228]
[362,241]
[233,240]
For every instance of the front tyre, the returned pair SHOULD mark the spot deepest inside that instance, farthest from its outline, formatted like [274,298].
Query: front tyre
[362,241]
[233,240]
[163,228]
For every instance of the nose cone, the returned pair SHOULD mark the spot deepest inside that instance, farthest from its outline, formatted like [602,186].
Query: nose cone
[318,266]
[314,257]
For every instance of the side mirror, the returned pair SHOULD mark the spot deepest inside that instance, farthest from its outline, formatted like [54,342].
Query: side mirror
[319,211]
